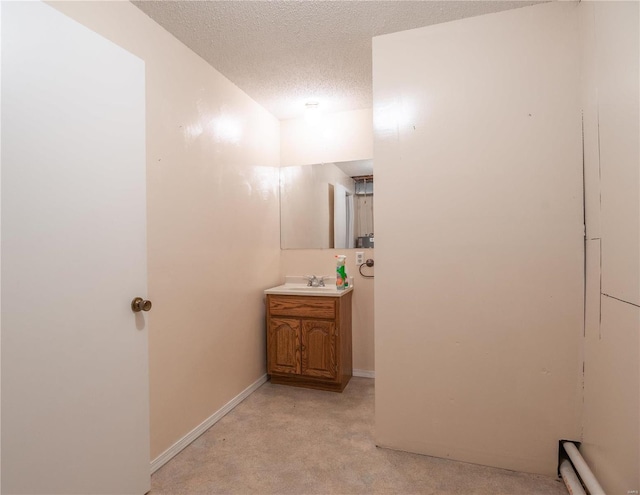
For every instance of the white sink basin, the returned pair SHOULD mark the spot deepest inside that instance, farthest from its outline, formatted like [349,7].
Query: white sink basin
[306,288]
[295,287]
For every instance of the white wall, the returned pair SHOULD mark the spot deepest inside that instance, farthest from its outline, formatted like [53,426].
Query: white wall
[0,254]
[610,67]
[213,226]
[335,137]
[479,296]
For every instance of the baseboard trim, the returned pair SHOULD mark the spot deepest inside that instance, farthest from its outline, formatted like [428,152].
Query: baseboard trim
[175,449]
[364,373]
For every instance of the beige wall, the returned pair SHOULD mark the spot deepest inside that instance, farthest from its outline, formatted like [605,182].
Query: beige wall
[610,66]
[479,298]
[335,137]
[322,262]
[213,228]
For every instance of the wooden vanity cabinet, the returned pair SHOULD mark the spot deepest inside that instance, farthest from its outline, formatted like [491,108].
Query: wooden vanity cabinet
[309,341]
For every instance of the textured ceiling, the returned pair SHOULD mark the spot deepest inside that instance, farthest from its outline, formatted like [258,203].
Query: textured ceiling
[285,53]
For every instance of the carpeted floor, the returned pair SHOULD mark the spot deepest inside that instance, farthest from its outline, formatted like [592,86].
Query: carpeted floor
[286,440]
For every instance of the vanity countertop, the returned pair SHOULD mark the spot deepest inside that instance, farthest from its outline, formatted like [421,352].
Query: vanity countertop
[296,286]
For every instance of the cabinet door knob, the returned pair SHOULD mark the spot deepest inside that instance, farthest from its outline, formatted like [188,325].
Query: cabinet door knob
[139,304]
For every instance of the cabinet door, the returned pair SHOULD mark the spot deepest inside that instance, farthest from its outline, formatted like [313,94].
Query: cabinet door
[283,346]
[319,349]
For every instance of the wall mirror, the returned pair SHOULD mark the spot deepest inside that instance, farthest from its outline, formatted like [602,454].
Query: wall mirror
[327,205]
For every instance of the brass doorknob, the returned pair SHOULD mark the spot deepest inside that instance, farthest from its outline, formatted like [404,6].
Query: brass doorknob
[139,304]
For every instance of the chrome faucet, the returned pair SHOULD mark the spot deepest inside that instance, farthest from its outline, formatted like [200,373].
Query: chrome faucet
[313,281]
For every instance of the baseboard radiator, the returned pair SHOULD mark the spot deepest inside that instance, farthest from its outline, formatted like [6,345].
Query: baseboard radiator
[575,472]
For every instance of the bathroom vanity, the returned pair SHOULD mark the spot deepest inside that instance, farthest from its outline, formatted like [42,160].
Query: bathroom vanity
[309,336]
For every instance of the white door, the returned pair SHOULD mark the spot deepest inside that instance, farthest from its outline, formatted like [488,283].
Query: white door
[74,356]
[343,234]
